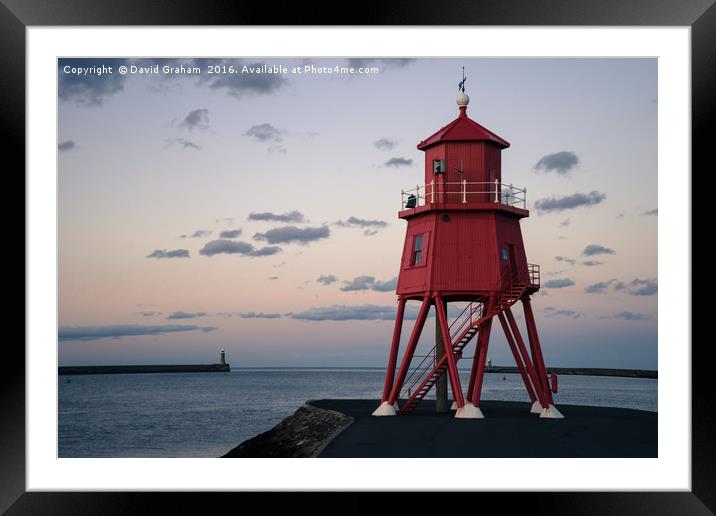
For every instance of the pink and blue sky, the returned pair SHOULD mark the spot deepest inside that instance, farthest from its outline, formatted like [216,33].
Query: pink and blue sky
[257,212]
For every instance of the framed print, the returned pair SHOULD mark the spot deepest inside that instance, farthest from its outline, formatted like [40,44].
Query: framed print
[225,294]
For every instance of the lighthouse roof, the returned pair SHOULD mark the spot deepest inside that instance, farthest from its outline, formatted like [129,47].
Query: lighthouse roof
[463,128]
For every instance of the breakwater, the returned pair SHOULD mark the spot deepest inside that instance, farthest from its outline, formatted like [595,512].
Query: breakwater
[131,369]
[584,371]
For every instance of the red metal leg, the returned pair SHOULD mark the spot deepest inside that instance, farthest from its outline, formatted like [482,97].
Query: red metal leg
[477,388]
[536,348]
[516,355]
[393,358]
[452,365]
[409,350]
[473,369]
[539,391]
[475,362]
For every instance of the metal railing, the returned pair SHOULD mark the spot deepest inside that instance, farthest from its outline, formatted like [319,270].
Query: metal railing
[463,192]
[534,272]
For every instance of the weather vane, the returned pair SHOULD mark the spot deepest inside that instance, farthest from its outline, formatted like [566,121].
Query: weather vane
[461,86]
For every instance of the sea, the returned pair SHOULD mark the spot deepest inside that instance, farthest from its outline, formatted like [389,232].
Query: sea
[207,414]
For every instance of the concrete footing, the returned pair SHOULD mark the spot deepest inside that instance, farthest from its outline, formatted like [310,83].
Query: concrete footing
[469,411]
[551,413]
[385,409]
[536,408]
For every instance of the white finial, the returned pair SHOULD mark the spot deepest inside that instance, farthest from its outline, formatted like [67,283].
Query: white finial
[462,99]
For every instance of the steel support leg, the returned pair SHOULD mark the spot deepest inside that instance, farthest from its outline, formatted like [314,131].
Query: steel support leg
[452,364]
[516,355]
[539,391]
[536,348]
[485,328]
[393,358]
[410,350]
[473,369]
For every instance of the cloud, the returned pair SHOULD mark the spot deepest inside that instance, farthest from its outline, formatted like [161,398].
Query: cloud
[369,283]
[599,287]
[352,313]
[386,286]
[370,232]
[259,315]
[199,233]
[655,211]
[387,63]
[149,314]
[591,263]
[566,222]
[233,247]
[570,202]
[398,162]
[241,84]
[636,287]
[362,223]
[385,144]
[84,333]
[163,253]
[66,146]
[196,119]
[83,82]
[358,283]
[326,279]
[595,249]
[628,316]
[186,315]
[570,261]
[230,233]
[83,86]
[292,234]
[643,287]
[184,144]
[264,133]
[551,311]
[559,283]
[559,162]
[291,216]
[631,316]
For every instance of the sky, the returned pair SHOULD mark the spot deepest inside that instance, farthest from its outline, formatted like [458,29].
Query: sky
[256,210]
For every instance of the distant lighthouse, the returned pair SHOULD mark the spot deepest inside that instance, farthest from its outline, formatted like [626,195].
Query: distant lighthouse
[222,358]
[463,244]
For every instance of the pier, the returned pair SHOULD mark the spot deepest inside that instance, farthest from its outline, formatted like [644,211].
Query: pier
[133,369]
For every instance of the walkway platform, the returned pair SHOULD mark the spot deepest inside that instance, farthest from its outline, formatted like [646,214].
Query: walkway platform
[508,430]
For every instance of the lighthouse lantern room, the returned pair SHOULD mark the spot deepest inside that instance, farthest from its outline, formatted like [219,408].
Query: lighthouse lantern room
[463,244]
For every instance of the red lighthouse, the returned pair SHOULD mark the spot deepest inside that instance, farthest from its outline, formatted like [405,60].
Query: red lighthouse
[464,244]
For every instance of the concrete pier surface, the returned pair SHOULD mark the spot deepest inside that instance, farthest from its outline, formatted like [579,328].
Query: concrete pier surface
[508,430]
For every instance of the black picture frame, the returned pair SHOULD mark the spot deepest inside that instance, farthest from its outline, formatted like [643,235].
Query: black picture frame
[17,15]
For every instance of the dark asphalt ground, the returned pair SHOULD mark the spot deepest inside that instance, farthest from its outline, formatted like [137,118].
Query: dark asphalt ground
[508,430]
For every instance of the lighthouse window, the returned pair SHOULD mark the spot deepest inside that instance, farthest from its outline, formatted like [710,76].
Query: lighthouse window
[505,254]
[417,250]
[438,166]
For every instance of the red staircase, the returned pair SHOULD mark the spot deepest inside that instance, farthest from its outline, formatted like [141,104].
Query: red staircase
[462,330]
